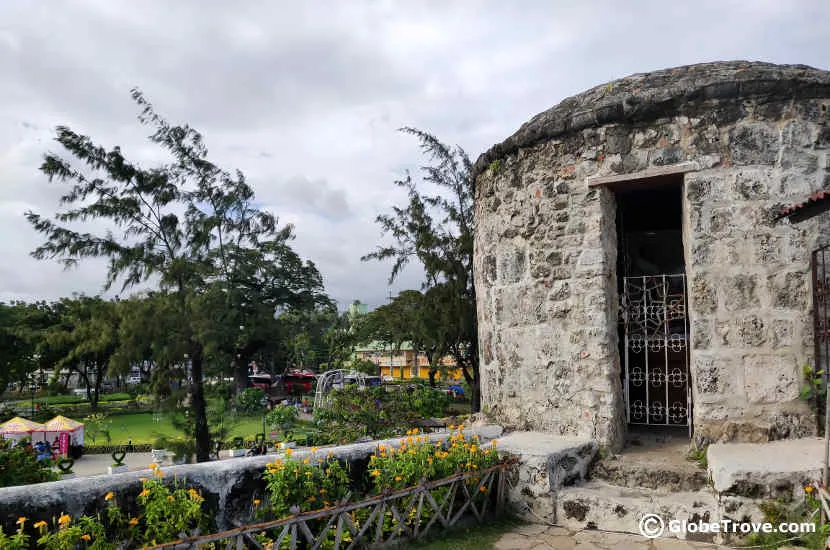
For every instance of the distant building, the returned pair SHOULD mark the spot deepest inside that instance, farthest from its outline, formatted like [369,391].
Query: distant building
[406,363]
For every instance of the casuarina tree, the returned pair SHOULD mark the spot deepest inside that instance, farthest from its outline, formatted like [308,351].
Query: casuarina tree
[179,225]
[437,229]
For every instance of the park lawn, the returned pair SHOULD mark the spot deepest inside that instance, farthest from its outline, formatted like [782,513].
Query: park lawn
[71,399]
[140,428]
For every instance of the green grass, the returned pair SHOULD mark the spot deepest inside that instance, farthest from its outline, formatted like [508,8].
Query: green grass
[476,537]
[71,399]
[141,429]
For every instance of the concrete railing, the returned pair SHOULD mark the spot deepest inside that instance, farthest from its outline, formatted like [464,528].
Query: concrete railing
[227,485]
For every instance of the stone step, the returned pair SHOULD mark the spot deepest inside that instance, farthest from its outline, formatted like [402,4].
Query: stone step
[678,475]
[601,505]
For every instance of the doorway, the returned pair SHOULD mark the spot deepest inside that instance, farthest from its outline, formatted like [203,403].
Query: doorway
[653,321]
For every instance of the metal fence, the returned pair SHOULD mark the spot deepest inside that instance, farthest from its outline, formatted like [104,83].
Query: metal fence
[406,514]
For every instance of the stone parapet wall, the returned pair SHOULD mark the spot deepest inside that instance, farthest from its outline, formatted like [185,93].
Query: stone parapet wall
[228,486]
[546,248]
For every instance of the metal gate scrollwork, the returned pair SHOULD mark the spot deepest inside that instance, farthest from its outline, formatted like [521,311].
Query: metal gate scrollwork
[656,357]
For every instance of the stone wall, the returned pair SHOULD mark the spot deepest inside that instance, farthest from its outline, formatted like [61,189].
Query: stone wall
[756,138]
[228,486]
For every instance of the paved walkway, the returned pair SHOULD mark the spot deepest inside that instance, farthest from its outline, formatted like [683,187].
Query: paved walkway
[94,465]
[542,537]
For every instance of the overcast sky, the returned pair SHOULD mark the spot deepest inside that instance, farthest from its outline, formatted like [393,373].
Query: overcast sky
[305,97]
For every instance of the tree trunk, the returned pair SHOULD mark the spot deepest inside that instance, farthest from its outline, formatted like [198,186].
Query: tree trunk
[240,374]
[472,377]
[431,377]
[197,392]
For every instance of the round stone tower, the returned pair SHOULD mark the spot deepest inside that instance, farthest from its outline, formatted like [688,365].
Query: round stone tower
[633,265]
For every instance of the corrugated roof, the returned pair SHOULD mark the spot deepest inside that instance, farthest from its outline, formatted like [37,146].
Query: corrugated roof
[816,198]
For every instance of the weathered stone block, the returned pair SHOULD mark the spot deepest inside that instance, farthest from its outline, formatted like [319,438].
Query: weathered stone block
[739,292]
[769,379]
[754,143]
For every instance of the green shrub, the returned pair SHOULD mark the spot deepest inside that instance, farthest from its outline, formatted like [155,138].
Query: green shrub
[19,465]
[249,401]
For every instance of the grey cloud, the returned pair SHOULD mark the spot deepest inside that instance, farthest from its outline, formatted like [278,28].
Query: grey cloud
[319,88]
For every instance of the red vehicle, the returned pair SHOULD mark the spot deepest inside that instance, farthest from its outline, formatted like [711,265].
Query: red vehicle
[262,381]
[298,381]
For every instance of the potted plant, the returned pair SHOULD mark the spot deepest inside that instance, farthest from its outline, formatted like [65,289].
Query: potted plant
[65,467]
[283,417]
[118,466]
[237,448]
[159,450]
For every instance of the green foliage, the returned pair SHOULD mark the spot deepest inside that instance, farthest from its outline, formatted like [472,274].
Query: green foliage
[19,466]
[365,366]
[165,512]
[310,484]
[15,541]
[98,425]
[494,166]
[699,456]
[222,264]
[814,391]
[777,512]
[416,460]
[352,413]
[438,231]
[250,401]
[282,416]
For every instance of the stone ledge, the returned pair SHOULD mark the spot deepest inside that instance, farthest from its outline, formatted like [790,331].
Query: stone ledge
[765,470]
[546,463]
[600,505]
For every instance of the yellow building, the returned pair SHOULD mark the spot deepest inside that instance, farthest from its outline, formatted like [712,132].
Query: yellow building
[401,364]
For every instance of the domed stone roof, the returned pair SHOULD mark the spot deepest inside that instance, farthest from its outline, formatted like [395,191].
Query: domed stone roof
[647,96]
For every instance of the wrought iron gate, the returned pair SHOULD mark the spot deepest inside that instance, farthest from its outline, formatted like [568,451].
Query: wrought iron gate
[656,352]
[821,309]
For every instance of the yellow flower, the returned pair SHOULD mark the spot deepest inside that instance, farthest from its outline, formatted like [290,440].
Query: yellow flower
[808,489]
[289,451]
[40,524]
[158,472]
[256,502]
[153,466]
[306,461]
[86,537]
[381,448]
[322,491]
[133,521]
[314,449]
[398,478]
[483,489]
[429,460]
[109,496]
[144,493]
[64,519]
[170,498]
[415,431]
[383,455]
[452,427]
[311,498]
[296,471]
[375,473]
[21,520]
[143,479]
[408,432]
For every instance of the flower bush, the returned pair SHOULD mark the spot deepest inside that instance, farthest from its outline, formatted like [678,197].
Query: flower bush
[166,512]
[310,484]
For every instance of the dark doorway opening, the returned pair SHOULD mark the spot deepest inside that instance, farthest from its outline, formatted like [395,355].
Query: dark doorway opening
[653,324]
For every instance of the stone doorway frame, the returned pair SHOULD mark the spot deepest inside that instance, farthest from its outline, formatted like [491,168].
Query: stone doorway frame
[607,185]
